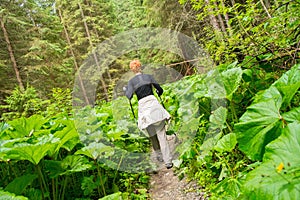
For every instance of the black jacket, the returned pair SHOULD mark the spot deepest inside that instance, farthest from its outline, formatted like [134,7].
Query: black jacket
[141,84]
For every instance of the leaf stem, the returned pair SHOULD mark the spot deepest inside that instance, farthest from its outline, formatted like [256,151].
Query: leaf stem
[40,175]
[12,168]
[100,176]
[64,188]
[235,118]
[227,164]
[53,188]
[121,159]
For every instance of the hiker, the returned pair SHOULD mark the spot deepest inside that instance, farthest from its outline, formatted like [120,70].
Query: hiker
[151,114]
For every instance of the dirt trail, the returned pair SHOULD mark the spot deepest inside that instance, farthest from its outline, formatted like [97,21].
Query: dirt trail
[165,184]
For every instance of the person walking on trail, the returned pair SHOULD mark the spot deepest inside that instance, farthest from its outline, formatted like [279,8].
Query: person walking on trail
[151,114]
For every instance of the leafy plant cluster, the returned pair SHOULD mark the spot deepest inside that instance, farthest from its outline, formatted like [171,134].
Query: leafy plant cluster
[246,141]
[237,129]
[46,157]
[268,30]
[27,103]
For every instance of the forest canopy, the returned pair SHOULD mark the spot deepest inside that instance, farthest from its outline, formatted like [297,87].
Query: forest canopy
[230,73]
[44,43]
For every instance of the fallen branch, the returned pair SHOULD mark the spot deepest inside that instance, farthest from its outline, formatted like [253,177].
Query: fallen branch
[173,64]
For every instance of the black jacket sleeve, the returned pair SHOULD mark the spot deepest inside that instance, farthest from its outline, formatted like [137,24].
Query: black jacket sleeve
[129,90]
[159,89]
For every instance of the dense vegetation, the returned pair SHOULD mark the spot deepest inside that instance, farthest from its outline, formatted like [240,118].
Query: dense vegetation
[239,121]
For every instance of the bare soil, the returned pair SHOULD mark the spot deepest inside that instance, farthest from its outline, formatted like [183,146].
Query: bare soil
[165,184]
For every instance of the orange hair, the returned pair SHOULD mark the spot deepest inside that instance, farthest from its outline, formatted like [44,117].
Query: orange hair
[135,66]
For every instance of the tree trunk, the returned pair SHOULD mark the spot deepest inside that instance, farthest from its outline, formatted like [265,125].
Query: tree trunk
[94,54]
[98,36]
[227,19]
[213,19]
[74,58]
[11,54]
[221,21]
[265,8]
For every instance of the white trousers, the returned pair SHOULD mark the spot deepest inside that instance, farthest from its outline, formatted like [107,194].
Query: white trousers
[158,138]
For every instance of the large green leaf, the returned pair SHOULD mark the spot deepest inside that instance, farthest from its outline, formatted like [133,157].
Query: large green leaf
[228,188]
[231,80]
[218,118]
[221,85]
[215,85]
[71,164]
[96,150]
[292,116]
[68,137]
[279,175]
[226,143]
[29,141]
[260,124]
[3,135]
[10,196]
[19,184]
[289,84]
[114,196]
[26,126]
[27,150]
[263,121]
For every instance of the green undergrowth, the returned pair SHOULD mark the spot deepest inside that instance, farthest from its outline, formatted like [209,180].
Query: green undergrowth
[246,143]
[46,158]
[237,128]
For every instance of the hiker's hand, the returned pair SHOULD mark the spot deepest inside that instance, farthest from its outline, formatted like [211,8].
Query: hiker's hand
[158,93]
[124,90]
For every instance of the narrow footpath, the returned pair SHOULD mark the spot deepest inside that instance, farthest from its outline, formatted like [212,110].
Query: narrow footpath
[165,184]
